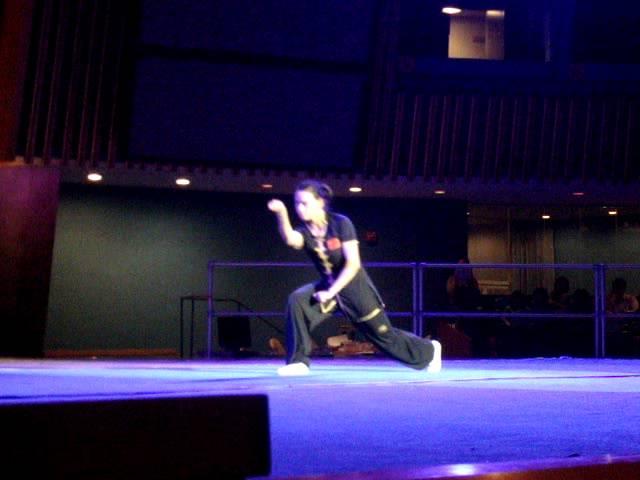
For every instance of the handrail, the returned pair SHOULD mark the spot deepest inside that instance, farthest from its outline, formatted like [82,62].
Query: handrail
[574,266]
[213,264]
[304,264]
[419,314]
[506,314]
[599,314]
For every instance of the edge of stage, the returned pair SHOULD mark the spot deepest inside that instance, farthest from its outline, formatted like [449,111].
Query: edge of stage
[351,418]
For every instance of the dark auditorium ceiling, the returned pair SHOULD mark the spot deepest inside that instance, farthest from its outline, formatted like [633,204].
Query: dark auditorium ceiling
[144,92]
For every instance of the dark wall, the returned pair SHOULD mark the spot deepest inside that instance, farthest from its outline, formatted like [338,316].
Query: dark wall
[244,115]
[123,257]
[334,30]
[276,83]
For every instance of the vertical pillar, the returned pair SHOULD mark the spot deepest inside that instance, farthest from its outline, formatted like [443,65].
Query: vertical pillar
[210,310]
[28,202]
[600,313]
[28,206]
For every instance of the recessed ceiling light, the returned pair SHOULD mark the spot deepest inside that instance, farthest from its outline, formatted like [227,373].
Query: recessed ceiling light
[546,217]
[94,177]
[266,186]
[612,212]
[495,13]
[439,192]
[578,194]
[355,189]
[451,10]
[183,181]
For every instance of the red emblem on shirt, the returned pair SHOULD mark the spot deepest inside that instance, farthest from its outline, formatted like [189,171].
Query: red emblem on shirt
[333,243]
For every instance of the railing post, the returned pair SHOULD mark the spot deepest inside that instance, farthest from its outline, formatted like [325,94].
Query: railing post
[421,297]
[181,328]
[414,299]
[418,299]
[600,314]
[191,327]
[210,312]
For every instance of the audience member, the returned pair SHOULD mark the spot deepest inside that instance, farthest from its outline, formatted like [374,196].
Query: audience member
[517,301]
[560,297]
[540,300]
[618,300]
[581,301]
[462,288]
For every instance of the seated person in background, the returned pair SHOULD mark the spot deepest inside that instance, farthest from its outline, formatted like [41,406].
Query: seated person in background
[540,300]
[560,294]
[618,300]
[462,288]
[581,301]
[517,301]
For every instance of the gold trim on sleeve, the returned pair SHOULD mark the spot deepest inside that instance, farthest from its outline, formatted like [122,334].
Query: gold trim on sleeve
[327,307]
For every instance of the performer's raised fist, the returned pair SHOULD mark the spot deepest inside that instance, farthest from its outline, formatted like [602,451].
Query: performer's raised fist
[276,206]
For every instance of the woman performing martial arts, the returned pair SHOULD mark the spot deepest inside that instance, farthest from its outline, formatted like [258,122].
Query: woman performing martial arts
[330,241]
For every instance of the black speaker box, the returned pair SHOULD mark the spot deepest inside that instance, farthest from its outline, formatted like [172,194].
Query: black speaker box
[234,333]
[160,438]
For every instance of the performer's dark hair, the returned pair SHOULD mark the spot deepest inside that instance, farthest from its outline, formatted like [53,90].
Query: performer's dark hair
[318,189]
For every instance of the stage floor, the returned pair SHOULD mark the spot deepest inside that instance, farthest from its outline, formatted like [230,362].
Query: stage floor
[355,415]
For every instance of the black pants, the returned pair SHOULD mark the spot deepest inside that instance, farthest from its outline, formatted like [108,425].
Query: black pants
[304,314]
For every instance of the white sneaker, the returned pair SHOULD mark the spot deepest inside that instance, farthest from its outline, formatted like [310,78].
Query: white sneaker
[436,363]
[294,370]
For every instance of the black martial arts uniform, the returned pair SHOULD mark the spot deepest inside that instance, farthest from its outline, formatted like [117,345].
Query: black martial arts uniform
[359,301]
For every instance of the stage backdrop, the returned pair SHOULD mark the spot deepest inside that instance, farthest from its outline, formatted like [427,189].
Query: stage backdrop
[123,257]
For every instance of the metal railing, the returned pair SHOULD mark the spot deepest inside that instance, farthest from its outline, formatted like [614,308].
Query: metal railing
[419,314]
[599,294]
[213,265]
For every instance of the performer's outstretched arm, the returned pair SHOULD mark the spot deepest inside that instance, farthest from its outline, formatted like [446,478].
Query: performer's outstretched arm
[290,236]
